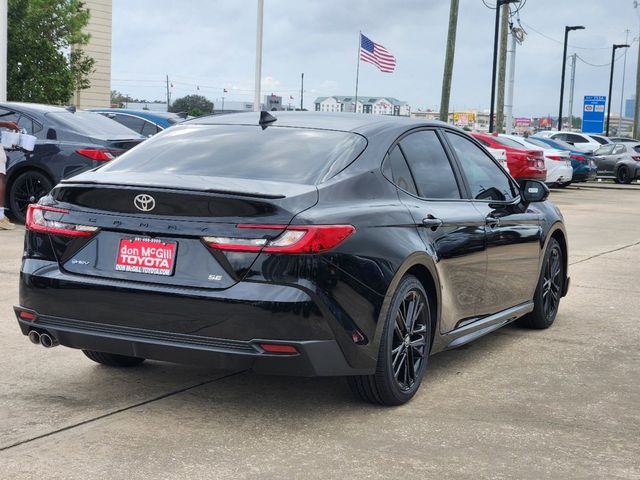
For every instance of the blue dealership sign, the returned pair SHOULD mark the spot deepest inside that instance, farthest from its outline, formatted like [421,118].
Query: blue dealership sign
[593,113]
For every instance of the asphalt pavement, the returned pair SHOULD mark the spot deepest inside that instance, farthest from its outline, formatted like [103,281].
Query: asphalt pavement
[560,403]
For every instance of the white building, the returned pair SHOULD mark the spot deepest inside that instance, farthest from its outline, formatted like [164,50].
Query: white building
[98,48]
[375,105]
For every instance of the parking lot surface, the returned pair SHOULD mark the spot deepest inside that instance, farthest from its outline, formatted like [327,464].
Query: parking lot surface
[558,403]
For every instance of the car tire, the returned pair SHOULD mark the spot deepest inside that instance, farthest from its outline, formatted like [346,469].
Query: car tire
[564,185]
[549,290]
[404,348]
[26,188]
[113,360]
[622,175]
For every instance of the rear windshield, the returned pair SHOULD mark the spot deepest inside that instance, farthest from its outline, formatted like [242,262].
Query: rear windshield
[537,143]
[294,155]
[507,142]
[93,125]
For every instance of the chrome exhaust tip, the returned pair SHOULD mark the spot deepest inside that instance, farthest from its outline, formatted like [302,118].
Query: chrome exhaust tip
[34,337]
[47,341]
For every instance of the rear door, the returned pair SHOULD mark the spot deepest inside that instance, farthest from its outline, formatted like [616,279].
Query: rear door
[603,157]
[452,229]
[513,232]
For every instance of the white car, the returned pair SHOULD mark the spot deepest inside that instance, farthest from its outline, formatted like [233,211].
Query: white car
[500,154]
[585,142]
[558,162]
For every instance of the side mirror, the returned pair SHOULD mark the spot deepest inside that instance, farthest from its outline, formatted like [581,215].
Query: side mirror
[534,191]
[51,134]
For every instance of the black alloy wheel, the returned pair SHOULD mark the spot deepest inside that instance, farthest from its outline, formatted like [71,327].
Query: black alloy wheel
[549,290]
[27,188]
[404,348]
[409,339]
[622,175]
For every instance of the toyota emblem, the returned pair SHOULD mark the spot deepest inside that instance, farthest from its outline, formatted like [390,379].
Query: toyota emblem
[144,202]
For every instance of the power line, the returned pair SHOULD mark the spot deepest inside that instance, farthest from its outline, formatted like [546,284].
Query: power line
[598,64]
[560,41]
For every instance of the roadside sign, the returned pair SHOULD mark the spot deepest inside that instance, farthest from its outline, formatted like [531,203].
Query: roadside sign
[593,113]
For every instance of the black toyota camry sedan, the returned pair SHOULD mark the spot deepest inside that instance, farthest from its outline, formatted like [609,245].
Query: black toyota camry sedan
[293,243]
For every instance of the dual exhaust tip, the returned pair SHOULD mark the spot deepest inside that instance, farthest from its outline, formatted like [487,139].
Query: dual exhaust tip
[44,339]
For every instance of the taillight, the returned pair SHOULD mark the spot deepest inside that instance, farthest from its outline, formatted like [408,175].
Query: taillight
[102,155]
[556,157]
[636,158]
[39,219]
[294,239]
[579,158]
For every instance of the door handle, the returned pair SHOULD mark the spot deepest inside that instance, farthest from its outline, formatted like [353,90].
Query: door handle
[432,222]
[492,221]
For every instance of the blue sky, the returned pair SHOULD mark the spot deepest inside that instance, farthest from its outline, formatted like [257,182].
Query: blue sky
[211,44]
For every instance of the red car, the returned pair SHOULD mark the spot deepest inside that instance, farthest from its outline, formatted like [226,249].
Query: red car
[523,163]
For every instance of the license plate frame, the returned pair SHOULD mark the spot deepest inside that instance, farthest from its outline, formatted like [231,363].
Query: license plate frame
[146,255]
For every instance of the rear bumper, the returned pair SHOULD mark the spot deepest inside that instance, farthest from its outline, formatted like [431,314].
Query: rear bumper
[221,329]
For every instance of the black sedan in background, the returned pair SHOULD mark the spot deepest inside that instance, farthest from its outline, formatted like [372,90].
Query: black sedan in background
[307,244]
[68,142]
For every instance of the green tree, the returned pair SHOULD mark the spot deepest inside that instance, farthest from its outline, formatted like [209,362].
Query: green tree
[195,105]
[46,63]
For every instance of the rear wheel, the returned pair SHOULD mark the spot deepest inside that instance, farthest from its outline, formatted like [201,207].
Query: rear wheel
[28,187]
[564,184]
[622,175]
[113,360]
[549,291]
[404,348]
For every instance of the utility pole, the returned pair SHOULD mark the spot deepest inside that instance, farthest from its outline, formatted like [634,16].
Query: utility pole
[256,94]
[168,94]
[499,3]
[504,27]
[448,61]
[571,85]
[4,12]
[302,92]
[624,71]
[508,106]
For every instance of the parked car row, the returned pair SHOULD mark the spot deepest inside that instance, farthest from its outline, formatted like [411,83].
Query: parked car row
[68,142]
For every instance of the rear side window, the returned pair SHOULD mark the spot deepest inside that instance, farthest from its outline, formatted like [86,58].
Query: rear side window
[396,170]
[134,123]
[600,140]
[284,154]
[618,149]
[486,180]
[576,138]
[149,129]
[430,165]
[604,150]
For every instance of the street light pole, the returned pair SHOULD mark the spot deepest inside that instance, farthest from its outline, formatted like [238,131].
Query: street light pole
[567,29]
[613,60]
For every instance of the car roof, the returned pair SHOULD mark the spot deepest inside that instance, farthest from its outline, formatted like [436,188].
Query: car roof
[33,108]
[349,122]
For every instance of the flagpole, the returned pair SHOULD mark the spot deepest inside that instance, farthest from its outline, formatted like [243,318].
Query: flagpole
[355,104]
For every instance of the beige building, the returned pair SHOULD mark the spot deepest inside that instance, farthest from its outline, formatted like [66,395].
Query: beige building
[98,48]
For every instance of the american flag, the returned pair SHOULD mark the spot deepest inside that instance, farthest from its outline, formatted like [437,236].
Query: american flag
[378,55]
